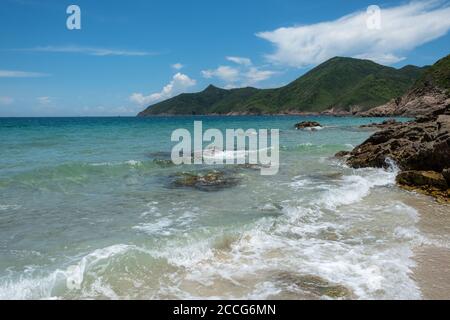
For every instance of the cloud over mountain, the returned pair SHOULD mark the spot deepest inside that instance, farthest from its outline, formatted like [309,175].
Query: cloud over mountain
[402,28]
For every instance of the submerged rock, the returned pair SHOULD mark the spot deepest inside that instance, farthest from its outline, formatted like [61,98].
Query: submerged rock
[308,125]
[315,285]
[209,181]
[382,125]
[163,163]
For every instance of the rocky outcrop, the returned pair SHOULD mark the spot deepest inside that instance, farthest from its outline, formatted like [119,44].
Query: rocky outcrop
[427,182]
[420,148]
[308,125]
[419,145]
[384,124]
[422,179]
[418,102]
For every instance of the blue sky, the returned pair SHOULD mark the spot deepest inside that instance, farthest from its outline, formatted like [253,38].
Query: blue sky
[129,54]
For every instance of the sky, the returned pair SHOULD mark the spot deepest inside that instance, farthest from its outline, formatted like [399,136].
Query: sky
[131,54]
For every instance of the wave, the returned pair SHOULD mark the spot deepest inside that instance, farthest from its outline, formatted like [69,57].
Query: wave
[77,173]
[98,274]
[336,226]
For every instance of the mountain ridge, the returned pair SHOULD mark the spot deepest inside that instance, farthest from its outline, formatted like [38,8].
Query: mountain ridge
[339,83]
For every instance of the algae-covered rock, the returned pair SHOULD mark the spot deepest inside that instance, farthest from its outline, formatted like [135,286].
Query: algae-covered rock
[315,285]
[205,181]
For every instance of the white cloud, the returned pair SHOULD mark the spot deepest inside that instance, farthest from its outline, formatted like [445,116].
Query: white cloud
[403,28]
[225,73]
[177,66]
[240,60]
[44,100]
[180,83]
[4,100]
[241,76]
[93,51]
[21,74]
[255,75]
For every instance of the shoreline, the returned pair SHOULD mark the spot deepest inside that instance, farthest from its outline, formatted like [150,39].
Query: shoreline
[432,252]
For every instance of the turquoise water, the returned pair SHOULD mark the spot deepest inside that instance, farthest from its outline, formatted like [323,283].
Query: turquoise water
[87,212]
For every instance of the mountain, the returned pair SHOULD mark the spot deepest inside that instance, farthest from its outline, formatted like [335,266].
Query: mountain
[438,75]
[429,94]
[339,83]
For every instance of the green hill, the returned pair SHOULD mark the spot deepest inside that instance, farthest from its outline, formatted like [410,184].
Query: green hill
[438,75]
[339,83]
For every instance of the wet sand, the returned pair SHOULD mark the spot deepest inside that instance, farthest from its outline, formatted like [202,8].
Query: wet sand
[432,254]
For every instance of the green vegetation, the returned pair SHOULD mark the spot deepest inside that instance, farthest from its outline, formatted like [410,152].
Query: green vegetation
[438,75]
[340,83]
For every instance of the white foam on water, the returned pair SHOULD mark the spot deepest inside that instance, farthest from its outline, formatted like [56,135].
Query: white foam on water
[214,154]
[312,128]
[132,163]
[338,235]
[354,188]
[32,285]
[161,226]
[4,207]
[349,232]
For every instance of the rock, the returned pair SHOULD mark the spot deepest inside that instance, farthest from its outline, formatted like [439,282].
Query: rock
[209,181]
[342,154]
[384,124]
[338,112]
[314,285]
[387,110]
[430,179]
[163,163]
[420,145]
[416,147]
[308,125]
[417,102]
[446,174]
[427,182]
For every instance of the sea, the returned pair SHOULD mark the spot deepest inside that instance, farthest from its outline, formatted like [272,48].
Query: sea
[90,209]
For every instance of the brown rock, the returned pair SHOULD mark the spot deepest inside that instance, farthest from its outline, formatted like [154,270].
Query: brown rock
[427,179]
[384,124]
[307,124]
[420,145]
[446,174]
[342,154]
[426,182]
[417,102]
